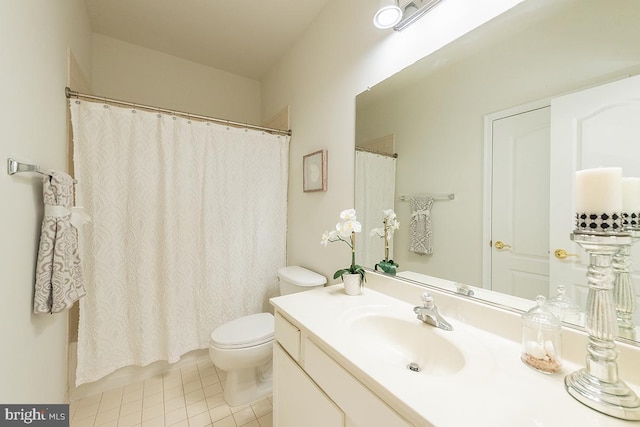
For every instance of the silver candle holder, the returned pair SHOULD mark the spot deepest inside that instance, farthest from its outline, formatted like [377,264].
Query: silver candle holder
[623,288]
[598,385]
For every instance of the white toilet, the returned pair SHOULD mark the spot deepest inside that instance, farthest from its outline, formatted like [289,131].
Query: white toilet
[243,347]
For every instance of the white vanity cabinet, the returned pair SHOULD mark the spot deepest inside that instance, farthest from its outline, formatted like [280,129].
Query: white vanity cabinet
[344,358]
[312,389]
[298,401]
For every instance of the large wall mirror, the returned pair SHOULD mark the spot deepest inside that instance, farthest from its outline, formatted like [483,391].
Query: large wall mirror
[482,180]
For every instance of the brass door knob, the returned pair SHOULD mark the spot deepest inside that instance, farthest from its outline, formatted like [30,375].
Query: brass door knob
[499,245]
[562,254]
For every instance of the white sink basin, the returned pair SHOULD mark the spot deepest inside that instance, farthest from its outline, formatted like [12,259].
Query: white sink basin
[398,342]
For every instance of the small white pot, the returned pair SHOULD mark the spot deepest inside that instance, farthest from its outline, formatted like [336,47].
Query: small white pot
[352,284]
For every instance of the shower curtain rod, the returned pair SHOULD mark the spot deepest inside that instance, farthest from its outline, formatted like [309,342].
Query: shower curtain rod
[366,150]
[73,94]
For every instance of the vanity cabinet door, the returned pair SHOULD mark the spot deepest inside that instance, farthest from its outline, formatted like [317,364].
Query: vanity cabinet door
[361,406]
[297,400]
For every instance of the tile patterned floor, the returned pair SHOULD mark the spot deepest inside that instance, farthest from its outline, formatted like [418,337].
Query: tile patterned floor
[186,397]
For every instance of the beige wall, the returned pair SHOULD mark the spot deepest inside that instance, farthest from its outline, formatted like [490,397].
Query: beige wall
[132,73]
[340,55]
[35,36]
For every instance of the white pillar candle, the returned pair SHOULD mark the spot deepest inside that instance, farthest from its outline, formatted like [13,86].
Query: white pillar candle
[599,190]
[631,195]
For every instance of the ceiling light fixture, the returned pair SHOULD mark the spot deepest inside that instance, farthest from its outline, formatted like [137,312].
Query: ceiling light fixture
[388,15]
[413,11]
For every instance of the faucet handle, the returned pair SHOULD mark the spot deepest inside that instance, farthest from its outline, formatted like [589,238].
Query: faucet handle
[428,313]
[427,300]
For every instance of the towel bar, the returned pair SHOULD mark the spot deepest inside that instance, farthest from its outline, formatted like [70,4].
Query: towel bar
[447,196]
[14,166]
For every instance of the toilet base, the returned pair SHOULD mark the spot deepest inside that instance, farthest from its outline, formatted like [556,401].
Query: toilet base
[245,386]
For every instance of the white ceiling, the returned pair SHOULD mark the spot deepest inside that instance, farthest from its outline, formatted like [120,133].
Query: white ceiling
[243,37]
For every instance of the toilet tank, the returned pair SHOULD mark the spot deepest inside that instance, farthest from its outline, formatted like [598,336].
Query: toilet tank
[294,279]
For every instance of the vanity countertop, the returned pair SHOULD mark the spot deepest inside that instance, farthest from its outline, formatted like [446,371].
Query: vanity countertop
[493,388]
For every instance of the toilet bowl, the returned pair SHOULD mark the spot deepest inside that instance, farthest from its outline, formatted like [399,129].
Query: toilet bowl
[243,347]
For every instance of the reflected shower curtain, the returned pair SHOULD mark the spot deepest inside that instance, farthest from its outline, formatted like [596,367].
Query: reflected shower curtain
[374,192]
[188,229]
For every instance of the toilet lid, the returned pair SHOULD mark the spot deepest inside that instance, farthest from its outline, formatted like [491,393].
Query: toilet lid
[300,276]
[246,331]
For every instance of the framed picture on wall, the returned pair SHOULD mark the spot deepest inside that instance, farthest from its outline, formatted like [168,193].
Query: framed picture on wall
[314,171]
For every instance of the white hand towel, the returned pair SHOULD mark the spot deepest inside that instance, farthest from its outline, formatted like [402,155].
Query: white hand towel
[420,239]
[58,276]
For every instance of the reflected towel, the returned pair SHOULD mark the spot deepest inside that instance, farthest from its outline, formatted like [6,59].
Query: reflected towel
[420,239]
[58,276]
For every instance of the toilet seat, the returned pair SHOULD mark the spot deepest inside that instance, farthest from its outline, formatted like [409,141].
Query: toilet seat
[247,331]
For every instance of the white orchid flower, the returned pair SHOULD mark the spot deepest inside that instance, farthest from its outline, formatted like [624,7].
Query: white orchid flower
[348,215]
[391,219]
[345,228]
[329,236]
[325,239]
[344,232]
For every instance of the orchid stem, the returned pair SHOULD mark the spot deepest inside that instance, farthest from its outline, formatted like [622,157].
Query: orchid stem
[353,250]
[386,241]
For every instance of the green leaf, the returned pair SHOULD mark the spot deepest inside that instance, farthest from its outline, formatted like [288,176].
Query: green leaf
[388,267]
[339,273]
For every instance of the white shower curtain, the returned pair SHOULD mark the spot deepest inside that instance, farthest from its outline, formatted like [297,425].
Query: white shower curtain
[374,192]
[188,229]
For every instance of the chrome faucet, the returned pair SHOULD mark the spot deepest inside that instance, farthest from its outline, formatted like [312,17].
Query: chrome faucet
[428,313]
[464,289]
